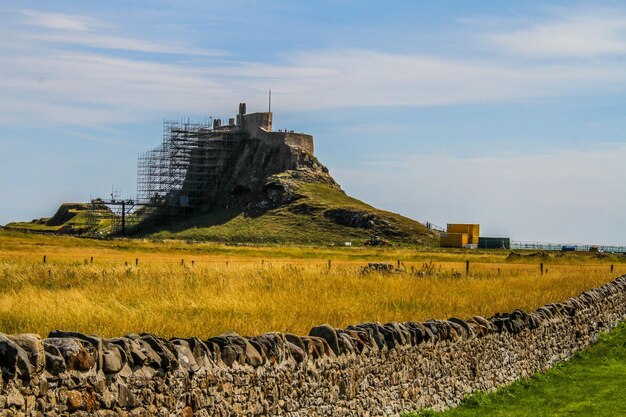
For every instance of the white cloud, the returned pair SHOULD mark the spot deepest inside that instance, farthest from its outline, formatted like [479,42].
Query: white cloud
[74,86]
[94,40]
[89,32]
[322,79]
[93,138]
[598,33]
[99,84]
[347,78]
[59,21]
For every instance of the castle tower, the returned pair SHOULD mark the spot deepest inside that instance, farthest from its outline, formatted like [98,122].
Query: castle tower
[242,112]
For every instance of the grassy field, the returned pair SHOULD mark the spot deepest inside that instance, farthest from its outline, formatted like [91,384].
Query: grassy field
[590,384]
[180,289]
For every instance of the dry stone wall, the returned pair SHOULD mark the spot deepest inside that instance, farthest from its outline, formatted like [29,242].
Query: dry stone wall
[365,370]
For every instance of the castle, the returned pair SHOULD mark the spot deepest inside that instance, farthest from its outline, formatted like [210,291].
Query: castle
[201,164]
[259,126]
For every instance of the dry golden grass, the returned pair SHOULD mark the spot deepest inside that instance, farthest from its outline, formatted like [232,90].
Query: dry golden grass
[255,290]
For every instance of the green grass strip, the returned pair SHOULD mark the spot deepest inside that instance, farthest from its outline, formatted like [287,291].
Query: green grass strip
[592,383]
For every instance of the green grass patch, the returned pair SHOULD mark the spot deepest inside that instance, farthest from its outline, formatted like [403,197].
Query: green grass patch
[592,383]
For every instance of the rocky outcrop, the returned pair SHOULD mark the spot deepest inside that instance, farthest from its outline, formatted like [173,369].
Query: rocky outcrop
[262,174]
[351,218]
[369,369]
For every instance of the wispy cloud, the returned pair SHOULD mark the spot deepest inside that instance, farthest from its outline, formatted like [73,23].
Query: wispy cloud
[567,33]
[97,139]
[99,41]
[322,79]
[368,78]
[96,82]
[93,33]
[59,21]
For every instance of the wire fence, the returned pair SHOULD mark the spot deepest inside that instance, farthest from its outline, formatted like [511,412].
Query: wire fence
[566,247]
[459,267]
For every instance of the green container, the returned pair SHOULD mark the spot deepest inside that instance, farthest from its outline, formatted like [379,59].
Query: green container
[494,243]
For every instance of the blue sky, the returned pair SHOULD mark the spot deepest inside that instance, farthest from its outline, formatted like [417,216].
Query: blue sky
[506,113]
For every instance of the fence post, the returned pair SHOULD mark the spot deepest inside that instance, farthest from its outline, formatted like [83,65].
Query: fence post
[91,260]
[136,261]
[541,268]
[44,259]
[398,263]
[467,267]
[330,264]
[611,268]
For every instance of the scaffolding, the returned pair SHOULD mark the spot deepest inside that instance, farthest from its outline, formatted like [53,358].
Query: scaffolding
[177,176]
[111,216]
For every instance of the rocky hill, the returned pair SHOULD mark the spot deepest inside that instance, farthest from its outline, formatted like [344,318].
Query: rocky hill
[272,190]
[243,183]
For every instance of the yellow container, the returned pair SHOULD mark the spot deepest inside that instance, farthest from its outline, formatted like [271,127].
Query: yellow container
[454,240]
[472,231]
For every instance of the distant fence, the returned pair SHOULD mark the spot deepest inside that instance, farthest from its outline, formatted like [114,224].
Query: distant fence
[567,246]
[433,226]
[519,245]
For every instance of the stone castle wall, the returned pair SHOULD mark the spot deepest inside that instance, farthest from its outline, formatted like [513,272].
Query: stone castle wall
[364,370]
[294,140]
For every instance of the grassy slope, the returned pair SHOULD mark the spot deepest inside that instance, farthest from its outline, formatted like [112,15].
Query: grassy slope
[593,383]
[288,224]
[78,223]
[37,224]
